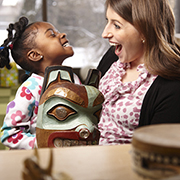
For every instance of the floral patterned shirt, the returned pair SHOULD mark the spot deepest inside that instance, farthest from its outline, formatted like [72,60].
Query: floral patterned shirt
[19,127]
[20,120]
[122,105]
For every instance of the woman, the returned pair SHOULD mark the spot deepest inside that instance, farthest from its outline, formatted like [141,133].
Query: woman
[143,86]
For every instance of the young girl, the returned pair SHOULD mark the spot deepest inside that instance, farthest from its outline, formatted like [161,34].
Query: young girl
[33,47]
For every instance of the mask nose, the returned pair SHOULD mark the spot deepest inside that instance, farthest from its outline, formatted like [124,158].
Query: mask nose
[84,133]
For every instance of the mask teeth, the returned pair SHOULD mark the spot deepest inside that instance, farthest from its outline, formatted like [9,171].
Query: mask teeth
[67,142]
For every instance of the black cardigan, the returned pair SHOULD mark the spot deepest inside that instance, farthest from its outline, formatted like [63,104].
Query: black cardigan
[107,60]
[161,103]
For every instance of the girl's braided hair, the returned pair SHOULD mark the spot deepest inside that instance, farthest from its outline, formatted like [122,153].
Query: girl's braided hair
[21,39]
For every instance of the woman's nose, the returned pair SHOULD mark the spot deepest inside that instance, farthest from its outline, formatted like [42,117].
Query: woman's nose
[107,33]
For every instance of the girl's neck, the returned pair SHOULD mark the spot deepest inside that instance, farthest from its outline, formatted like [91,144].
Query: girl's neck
[41,74]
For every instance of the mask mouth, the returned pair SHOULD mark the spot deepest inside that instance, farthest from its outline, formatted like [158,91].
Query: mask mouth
[67,142]
[73,138]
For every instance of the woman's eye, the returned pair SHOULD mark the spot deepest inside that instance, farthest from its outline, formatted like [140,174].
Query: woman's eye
[61,112]
[116,26]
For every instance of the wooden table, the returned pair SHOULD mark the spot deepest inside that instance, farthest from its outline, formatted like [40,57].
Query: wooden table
[80,163]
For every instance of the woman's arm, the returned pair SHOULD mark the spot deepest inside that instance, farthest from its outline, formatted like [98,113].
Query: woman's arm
[161,103]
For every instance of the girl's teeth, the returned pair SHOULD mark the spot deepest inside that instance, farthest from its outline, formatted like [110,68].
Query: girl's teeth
[65,45]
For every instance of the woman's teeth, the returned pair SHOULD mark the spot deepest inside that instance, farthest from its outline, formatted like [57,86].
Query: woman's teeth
[113,44]
[118,46]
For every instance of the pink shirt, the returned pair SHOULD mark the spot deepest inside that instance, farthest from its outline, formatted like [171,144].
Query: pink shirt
[122,105]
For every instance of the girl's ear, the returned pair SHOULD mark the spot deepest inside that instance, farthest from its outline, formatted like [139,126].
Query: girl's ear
[33,55]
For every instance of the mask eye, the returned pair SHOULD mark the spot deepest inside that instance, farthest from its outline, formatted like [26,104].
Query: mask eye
[61,112]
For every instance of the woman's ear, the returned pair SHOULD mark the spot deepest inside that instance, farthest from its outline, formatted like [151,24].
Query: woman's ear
[143,40]
[33,55]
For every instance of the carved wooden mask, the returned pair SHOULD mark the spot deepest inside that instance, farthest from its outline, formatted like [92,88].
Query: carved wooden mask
[68,113]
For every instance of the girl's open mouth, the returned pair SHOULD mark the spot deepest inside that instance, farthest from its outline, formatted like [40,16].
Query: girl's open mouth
[66,44]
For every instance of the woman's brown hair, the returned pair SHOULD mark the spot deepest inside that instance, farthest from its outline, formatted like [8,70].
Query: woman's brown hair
[155,21]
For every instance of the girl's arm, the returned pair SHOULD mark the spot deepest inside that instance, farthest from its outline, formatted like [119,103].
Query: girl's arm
[20,121]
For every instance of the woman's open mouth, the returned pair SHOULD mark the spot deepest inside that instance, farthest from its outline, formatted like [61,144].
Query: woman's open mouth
[118,50]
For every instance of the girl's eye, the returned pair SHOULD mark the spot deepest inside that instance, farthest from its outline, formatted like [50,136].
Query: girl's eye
[53,35]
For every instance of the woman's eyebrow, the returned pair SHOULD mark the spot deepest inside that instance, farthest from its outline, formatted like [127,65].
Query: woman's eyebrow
[117,21]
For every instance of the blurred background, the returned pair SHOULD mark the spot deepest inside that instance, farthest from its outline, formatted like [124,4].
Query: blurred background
[83,22]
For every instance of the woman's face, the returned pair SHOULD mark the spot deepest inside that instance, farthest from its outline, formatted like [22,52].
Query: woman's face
[53,45]
[125,37]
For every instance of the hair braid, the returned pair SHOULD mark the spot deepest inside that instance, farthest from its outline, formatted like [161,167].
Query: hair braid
[19,28]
